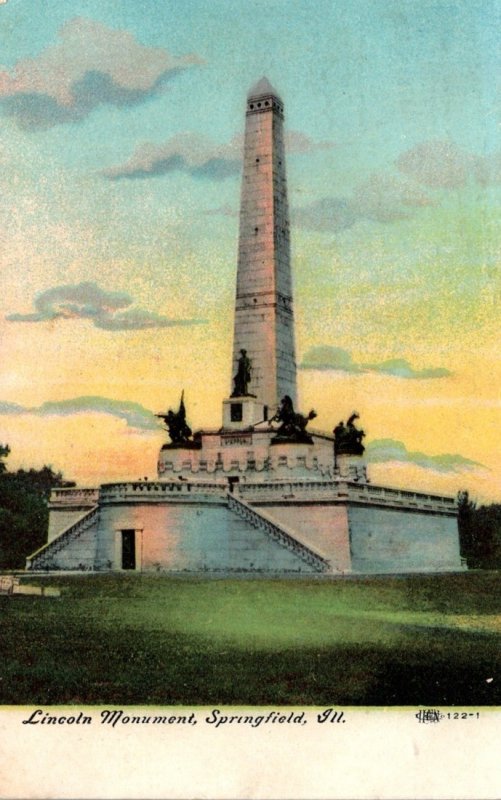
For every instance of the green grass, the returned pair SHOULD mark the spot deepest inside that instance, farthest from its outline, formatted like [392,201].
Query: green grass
[417,640]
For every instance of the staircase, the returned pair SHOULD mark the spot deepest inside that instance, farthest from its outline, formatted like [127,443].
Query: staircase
[280,534]
[43,558]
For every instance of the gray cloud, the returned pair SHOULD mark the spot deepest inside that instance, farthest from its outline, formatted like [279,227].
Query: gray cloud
[184,153]
[297,143]
[330,214]
[329,358]
[90,65]
[103,308]
[198,156]
[11,408]
[441,164]
[384,450]
[381,198]
[400,368]
[386,197]
[134,414]
[325,358]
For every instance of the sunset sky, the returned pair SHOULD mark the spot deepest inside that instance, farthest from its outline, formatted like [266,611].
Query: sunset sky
[120,150]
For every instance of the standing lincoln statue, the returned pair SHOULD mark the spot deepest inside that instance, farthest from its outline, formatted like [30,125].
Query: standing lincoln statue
[243,376]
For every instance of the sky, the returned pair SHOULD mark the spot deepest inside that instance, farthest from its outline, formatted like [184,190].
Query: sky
[120,151]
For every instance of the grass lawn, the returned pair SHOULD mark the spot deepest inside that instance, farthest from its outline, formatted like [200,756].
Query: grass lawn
[414,640]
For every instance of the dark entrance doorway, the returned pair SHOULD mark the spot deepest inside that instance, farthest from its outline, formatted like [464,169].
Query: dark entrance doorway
[129,549]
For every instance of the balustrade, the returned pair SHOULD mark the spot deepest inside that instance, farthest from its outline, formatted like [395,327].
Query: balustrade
[158,491]
[341,491]
[74,496]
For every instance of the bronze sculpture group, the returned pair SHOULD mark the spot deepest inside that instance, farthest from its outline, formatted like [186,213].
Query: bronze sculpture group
[179,431]
[293,427]
[347,438]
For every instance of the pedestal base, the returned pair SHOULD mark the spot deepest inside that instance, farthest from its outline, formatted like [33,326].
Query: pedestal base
[240,413]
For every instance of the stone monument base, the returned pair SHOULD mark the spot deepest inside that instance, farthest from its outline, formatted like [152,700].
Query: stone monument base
[293,526]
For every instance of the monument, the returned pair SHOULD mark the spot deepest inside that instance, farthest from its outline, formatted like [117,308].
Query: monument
[264,492]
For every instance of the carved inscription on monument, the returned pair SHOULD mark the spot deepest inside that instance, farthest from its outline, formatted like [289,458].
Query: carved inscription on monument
[228,439]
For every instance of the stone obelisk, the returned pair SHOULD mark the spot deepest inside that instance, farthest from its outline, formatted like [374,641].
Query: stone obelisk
[264,325]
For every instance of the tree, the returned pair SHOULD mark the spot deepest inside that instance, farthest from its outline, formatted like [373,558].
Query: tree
[4,452]
[479,533]
[467,533]
[23,511]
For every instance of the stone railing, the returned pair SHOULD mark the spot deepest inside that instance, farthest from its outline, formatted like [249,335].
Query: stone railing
[304,490]
[162,491]
[340,491]
[41,558]
[307,490]
[397,498]
[74,497]
[278,533]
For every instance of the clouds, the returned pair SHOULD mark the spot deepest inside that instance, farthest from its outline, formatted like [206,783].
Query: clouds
[381,198]
[386,197]
[107,310]
[325,358]
[385,450]
[195,155]
[400,368]
[134,414]
[198,157]
[91,65]
[330,214]
[84,300]
[443,165]
[329,358]
[11,408]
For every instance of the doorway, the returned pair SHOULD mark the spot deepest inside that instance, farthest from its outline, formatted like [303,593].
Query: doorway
[129,549]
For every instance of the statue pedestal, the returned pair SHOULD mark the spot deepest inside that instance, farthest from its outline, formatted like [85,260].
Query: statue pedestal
[243,412]
[351,467]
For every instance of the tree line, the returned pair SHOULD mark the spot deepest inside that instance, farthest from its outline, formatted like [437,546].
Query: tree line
[24,516]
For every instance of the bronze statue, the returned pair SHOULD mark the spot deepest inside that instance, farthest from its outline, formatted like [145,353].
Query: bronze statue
[293,427]
[175,422]
[243,377]
[348,438]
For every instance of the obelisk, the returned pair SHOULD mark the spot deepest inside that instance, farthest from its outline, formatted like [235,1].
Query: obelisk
[264,325]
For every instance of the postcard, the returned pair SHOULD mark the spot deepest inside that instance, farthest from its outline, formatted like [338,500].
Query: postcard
[250,515]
